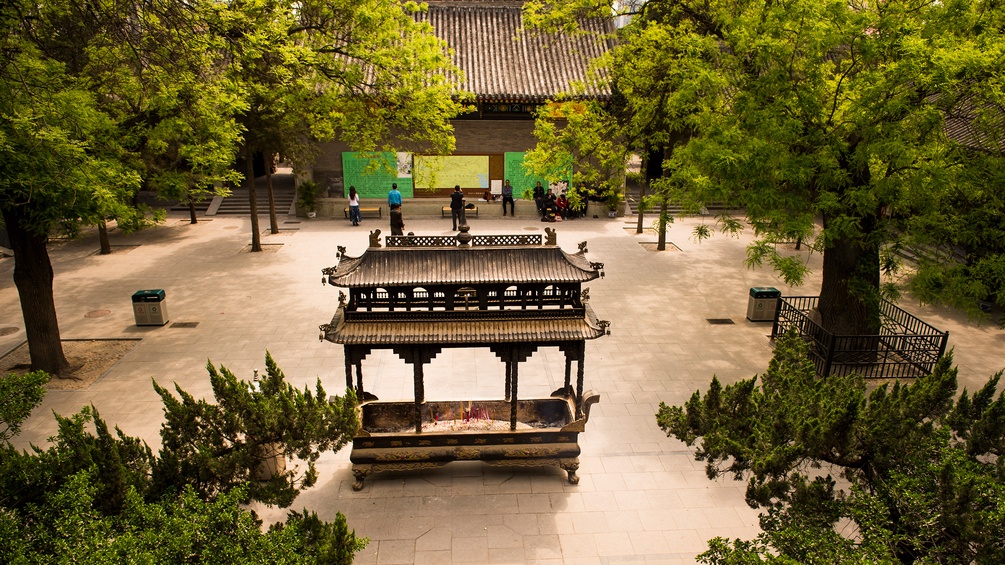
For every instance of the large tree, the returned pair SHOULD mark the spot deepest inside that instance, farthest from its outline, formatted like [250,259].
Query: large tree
[84,87]
[908,473]
[823,120]
[308,71]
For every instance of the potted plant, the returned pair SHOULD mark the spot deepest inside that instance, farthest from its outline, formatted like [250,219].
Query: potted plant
[307,197]
[613,200]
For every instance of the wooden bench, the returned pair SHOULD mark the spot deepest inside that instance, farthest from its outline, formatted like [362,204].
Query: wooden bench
[445,211]
[364,211]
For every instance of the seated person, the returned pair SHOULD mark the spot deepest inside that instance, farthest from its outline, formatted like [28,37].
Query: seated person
[563,206]
[549,209]
[488,196]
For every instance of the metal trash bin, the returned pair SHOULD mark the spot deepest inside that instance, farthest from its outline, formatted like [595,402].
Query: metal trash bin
[149,307]
[762,303]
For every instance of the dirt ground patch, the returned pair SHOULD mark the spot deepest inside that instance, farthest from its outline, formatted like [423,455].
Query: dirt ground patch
[652,245]
[89,359]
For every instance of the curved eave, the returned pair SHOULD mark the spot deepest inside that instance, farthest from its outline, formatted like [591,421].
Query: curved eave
[395,267]
[462,332]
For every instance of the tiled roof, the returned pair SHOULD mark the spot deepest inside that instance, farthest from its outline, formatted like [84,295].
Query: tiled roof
[504,63]
[465,332]
[961,128]
[404,266]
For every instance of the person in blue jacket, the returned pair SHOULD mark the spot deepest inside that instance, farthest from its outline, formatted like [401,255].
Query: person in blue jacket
[394,197]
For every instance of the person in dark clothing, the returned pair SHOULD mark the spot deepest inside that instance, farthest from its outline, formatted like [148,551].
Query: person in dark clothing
[397,221]
[539,196]
[549,208]
[457,207]
[507,196]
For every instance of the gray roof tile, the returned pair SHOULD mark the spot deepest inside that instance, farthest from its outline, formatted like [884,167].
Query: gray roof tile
[503,62]
[398,266]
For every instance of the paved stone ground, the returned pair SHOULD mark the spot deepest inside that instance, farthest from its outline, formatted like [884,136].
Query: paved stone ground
[642,498]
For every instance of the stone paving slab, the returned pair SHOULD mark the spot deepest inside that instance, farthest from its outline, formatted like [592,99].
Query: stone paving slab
[642,498]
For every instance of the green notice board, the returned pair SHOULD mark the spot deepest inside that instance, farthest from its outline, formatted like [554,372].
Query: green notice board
[445,171]
[521,178]
[373,173]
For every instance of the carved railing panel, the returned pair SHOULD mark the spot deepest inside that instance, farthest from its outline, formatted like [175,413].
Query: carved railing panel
[451,241]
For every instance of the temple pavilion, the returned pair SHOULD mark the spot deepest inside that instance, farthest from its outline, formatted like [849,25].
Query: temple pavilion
[512,294]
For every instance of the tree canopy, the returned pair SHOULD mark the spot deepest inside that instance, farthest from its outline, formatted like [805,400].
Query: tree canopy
[366,71]
[101,98]
[824,121]
[905,473]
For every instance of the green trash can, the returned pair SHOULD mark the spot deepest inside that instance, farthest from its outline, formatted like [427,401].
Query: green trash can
[762,303]
[149,307]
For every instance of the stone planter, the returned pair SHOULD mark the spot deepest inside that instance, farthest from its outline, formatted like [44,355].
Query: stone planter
[273,463]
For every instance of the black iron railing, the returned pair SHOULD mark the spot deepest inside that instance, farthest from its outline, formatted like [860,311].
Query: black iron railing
[905,347]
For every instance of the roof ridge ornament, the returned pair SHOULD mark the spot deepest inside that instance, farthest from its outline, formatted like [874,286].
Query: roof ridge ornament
[327,272]
[552,238]
[582,247]
[464,237]
[375,238]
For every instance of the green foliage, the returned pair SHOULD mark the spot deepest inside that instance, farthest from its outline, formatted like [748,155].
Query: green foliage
[99,497]
[307,195]
[809,111]
[215,447]
[19,395]
[120,463]
[308,71]
[923,473]
[65,528]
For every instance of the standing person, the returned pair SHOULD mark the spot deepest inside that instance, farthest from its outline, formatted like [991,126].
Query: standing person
[394,197]
[354,214]
[539,196]
[397,221]
[457,206]
[507,196]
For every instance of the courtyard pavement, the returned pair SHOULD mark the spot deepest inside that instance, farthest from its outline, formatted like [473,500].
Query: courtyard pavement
[642,497]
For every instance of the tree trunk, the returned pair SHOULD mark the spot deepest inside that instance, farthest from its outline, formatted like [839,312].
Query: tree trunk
[643,183]
[273,221]
[33,278]
[106,246]
[661,244]
[191,211]
[256,237]
[849,294]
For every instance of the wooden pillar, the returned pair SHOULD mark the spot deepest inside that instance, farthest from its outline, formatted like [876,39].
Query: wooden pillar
[568,371]
[359,377]
[509,377]
[348,369]
[513,355]
[581,354]
[419,395]
[417,356]
[513,393]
